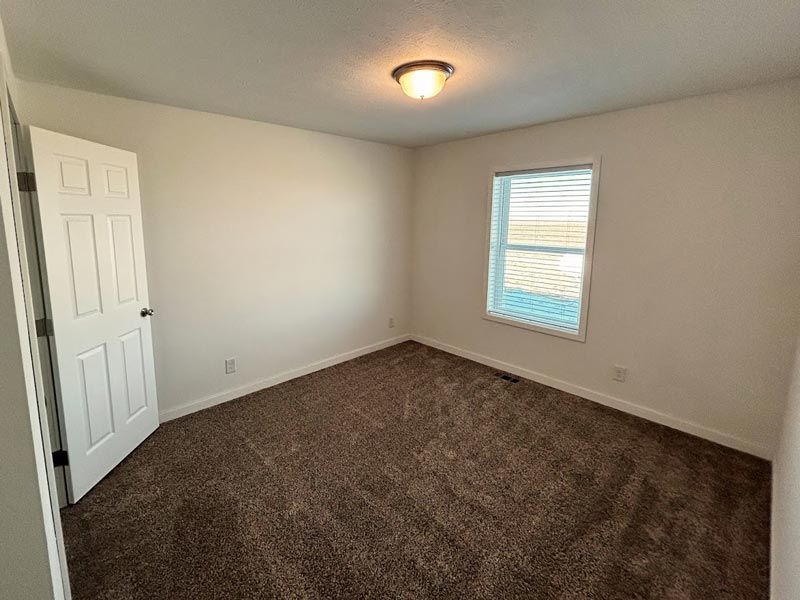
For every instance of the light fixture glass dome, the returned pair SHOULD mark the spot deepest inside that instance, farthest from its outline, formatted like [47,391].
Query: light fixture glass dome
[423,79]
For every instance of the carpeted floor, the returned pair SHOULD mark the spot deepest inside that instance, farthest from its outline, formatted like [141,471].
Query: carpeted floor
[412,473]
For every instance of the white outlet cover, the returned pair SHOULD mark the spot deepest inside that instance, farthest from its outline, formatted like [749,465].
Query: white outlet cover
[230,366]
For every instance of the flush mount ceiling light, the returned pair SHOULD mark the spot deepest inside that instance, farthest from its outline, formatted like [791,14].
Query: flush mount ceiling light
[423,78]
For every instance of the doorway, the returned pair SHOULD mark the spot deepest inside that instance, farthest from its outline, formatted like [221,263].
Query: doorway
[45,511]
[78,228]
[84,245]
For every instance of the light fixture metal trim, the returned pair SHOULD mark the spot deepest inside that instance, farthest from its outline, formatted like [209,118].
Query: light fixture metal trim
[417,65]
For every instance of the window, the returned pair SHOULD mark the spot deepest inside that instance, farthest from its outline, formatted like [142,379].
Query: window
[540,248]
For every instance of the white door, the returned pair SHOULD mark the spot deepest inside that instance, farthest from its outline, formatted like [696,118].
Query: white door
[91,222]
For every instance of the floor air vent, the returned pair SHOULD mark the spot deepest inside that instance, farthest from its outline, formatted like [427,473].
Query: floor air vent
[507,377]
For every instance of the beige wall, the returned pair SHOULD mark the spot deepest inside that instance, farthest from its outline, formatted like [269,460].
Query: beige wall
[277,246]
[785,575]
[697,251]
[287,247]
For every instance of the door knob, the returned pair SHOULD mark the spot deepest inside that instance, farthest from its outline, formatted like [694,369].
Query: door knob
[147,312]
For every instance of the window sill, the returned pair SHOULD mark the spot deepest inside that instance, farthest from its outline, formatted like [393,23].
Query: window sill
[575,337]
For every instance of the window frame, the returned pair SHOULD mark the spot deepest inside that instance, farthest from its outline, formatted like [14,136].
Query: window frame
[580,336]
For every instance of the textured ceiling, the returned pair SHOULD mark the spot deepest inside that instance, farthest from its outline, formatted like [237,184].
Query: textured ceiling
[326,64]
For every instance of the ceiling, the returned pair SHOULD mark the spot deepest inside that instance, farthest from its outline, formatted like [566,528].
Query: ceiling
[325,65]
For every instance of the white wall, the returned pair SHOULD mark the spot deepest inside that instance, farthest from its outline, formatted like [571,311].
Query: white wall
[277,246]
[785,574]
[695,285]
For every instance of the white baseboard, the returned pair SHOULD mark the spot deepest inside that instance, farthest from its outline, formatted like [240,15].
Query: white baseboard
[601,398]
[624,405]
[254,386]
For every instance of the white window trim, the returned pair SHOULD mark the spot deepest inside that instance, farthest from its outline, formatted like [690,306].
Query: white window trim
[580,336]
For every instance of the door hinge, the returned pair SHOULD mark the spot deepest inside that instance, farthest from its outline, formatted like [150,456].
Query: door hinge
[26,181]
[44,327]
[60,458]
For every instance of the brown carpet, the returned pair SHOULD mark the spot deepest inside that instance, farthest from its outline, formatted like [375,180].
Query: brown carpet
[412,473]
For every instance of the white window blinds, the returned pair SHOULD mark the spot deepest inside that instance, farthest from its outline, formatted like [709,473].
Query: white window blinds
[540,224]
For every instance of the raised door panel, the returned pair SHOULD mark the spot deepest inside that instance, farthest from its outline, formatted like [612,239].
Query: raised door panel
[73,175]
[95,391]
[81,251]
[133,373]
[123,258]
[115,181]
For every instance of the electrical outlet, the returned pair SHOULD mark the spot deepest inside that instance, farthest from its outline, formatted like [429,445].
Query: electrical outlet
[620,373]
[391,322]
[230,366]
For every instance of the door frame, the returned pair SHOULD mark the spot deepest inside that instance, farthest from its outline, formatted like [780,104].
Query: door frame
[54,540]
[23,158]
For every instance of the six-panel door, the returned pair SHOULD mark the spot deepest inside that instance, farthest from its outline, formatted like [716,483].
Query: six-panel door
[91,224]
